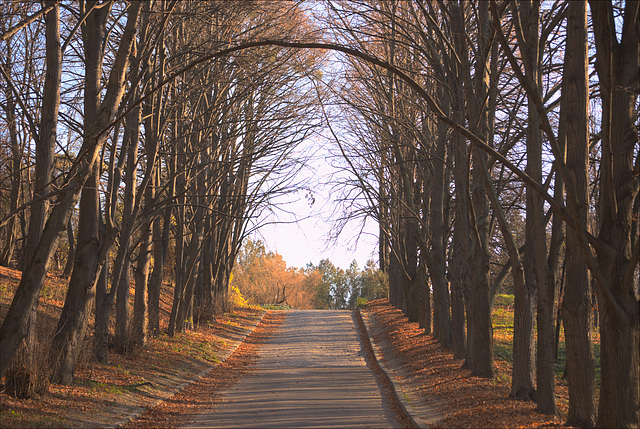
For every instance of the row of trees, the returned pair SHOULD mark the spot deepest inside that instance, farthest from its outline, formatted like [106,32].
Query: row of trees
[147,149]
[465,121]
[263,278]
[498,141]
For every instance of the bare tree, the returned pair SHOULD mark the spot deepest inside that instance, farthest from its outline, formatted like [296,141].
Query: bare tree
[618,246]
[14,326]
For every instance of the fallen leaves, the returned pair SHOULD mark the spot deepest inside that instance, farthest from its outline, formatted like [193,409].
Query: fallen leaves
[103,394]
[204,394]
[443,382]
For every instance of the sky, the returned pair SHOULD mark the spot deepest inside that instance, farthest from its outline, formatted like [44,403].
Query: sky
[306,240]
[303,237]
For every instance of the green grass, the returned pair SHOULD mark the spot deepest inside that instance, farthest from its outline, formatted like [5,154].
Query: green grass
[15,418]
[504,301]
[194,347]
[276,307]
[361,302]
[502,321]
[102,387]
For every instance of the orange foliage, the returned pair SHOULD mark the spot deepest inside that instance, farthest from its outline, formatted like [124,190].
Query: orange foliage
[264,278]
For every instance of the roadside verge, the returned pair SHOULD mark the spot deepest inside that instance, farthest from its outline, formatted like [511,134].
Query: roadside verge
[414,407]
[232,345]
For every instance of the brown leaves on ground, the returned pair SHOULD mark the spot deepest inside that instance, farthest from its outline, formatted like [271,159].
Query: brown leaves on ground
[204,394]
[466,401]
[103,394]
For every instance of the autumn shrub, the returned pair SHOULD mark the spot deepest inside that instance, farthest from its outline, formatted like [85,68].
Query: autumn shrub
[29,372]
[235,298]
[504,301]
[362,302]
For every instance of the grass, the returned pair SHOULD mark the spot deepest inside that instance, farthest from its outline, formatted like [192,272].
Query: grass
[276,307]
[17,418]
[502,320]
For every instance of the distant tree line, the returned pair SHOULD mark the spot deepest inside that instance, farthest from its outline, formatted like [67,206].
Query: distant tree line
[263,278]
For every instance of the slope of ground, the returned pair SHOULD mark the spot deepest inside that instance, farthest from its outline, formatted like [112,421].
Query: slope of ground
[465,401]
[104,394]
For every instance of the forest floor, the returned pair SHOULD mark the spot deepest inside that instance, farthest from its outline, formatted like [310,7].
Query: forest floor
[443,383]
[103,394]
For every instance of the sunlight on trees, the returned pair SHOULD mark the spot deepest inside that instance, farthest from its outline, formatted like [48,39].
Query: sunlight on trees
[495,144]
[263,278]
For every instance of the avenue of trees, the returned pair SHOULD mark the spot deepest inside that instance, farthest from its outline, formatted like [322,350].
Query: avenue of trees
[495,143]
[132,161]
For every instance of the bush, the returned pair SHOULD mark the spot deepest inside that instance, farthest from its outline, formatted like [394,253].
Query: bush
[361,302]
[28,374]
[236,299]
[504,301]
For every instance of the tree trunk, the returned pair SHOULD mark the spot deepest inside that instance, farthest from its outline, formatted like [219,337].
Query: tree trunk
[16,166]
[396,294]
[426,318]
[528,15]
[140,311]
[160,247]
[576,304]
[45,147]
[179,264]
[160,237]
[71,255]
[480,337]
[617,67]
[69,336]
[121,267]
[48,130]
[459,269]
[67,342]
[190,277]
[104,301]
[409,266]
[437,258]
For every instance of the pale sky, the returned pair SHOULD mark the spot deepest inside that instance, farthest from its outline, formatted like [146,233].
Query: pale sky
[306,240]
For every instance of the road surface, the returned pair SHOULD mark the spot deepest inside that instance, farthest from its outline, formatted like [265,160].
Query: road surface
[311,373]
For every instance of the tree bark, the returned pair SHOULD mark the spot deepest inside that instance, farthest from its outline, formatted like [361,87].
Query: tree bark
[617,67]
[527,30]
[121,267]
[71,255]
[45,146]
[480,336]
[459,269]
[576,304]
[16,166]
[437,258]
[69,336]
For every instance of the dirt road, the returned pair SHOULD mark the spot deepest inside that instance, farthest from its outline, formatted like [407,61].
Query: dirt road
[311,373]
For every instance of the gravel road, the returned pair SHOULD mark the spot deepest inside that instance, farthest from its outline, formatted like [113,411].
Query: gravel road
[311,373]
